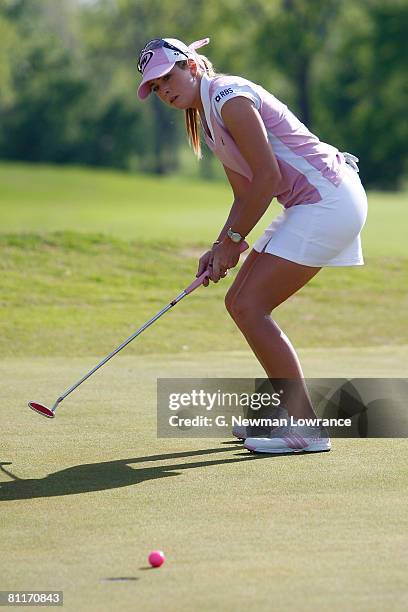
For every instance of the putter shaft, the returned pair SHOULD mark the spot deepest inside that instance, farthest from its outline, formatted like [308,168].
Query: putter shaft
[120,347]
[196,283]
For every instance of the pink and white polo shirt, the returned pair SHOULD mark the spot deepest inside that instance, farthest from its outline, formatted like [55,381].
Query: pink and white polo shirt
[308,166]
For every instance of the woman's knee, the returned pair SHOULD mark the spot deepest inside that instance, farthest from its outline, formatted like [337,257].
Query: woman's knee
[229,299]
[244,309]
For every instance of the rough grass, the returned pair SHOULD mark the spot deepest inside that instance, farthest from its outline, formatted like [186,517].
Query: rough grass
[71,294]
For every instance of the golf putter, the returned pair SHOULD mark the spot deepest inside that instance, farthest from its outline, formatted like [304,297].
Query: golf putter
[50,413]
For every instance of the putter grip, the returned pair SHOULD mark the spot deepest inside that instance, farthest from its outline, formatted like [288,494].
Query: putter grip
[199,281]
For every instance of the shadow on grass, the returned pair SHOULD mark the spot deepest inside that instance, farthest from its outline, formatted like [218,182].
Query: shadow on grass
[106,475]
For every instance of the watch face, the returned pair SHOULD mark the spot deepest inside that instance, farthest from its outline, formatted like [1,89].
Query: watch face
[235,237]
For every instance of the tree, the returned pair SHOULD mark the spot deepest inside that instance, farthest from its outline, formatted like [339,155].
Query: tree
[291,38]
[364,95]
[8,43]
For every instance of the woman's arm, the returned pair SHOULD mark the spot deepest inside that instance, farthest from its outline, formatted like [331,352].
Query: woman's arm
[239,185]
[252,199]
[245,125]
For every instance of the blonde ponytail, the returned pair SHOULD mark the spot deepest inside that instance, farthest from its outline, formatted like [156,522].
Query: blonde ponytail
[192,116]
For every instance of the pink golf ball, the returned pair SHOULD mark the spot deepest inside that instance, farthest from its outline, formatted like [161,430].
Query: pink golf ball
[156,558]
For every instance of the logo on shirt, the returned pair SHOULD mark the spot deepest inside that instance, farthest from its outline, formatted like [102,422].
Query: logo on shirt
[223,93]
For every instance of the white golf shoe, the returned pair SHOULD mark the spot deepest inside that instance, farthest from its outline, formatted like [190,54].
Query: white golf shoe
[291,439]
[240,432]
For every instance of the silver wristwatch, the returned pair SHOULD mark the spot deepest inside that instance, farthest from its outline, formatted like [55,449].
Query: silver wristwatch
[234,236]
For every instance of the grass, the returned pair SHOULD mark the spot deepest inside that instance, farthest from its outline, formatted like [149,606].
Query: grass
[89,255]
[86,257]
[96,491]
[71,294]
[38,199]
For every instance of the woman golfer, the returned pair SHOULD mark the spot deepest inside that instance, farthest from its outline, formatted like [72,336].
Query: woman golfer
[266,152]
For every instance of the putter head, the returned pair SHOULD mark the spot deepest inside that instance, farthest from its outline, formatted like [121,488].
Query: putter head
[41,409]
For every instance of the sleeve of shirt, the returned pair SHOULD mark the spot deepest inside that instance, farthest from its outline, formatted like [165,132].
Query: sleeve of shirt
[233,90]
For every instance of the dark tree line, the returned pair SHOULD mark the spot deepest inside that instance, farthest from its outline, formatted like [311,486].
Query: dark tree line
[68,76]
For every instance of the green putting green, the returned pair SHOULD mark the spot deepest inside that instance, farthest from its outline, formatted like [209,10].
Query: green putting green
[85,497]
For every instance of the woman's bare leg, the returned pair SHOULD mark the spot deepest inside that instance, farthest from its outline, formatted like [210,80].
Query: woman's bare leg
[266,282]
[234,290]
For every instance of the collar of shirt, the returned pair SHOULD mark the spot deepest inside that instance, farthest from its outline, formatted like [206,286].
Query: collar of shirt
[205,98]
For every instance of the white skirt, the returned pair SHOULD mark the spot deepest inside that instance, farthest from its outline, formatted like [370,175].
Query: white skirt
[323,234]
